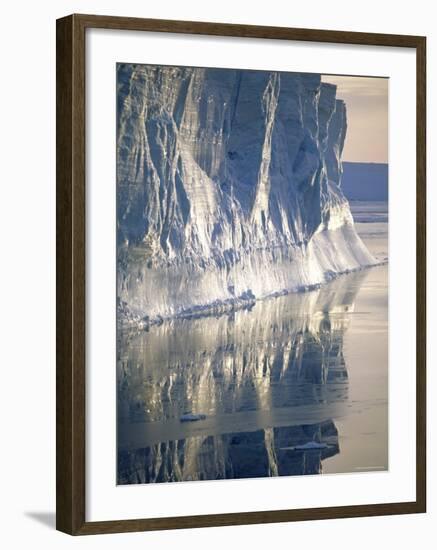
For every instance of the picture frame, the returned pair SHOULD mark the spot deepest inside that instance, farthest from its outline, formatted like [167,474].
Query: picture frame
[71,204]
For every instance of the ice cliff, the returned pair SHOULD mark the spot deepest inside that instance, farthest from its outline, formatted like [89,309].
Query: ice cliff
[228,188]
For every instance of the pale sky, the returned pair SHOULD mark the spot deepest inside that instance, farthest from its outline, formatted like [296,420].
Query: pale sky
[366,101]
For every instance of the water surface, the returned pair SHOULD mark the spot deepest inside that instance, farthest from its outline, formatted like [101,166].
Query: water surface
[291,370]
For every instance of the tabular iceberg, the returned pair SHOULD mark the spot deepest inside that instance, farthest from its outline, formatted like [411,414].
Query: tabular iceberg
[228,189]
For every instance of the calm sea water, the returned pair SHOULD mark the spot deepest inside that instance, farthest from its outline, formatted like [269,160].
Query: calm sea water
[296,369]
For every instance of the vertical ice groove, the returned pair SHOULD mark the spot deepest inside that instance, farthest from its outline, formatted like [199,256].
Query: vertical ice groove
[269,104]
[228,188]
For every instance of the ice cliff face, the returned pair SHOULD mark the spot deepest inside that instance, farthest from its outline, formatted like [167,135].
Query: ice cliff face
[228,188]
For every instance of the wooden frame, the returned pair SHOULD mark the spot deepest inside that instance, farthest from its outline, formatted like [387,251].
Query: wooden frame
[70,205]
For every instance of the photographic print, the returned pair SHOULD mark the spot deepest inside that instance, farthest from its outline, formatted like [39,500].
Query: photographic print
[252,274]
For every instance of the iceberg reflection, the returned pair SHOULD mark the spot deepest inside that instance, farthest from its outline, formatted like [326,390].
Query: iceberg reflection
[268,379]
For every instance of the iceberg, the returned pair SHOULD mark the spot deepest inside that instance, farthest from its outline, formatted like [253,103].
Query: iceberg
[310,446]
[192,417]
[228,189]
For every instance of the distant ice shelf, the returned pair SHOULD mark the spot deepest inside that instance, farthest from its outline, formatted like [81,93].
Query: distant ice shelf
[228,189]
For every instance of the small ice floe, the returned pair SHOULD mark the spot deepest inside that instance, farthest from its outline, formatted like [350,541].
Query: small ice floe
[310,446]
[191,417]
